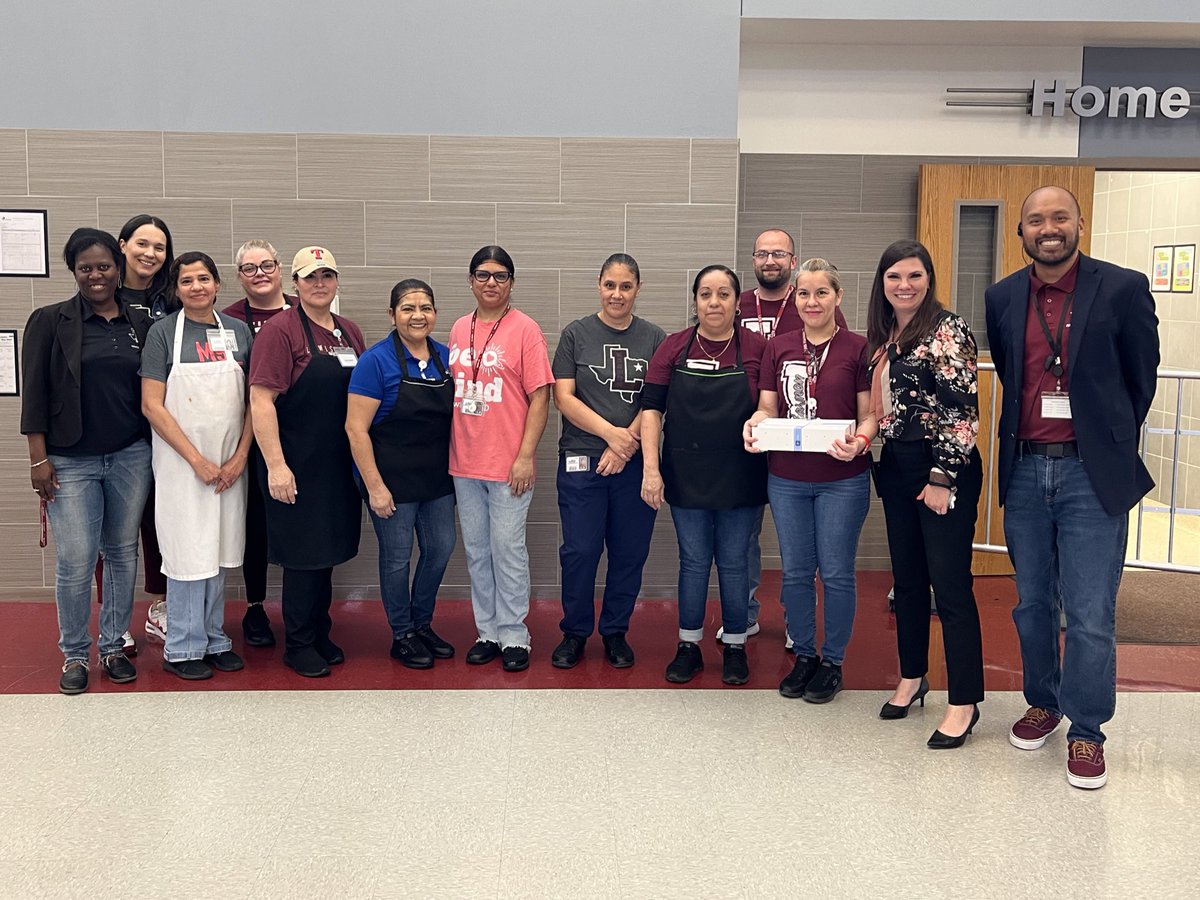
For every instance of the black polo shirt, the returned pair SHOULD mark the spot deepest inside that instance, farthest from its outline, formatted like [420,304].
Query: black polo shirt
[110,392]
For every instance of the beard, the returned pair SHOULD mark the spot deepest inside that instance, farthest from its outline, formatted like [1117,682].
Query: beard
[773,280]
[1070,243]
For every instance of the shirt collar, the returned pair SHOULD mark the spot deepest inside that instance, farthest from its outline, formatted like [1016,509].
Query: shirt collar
[1066,284]
[88,311]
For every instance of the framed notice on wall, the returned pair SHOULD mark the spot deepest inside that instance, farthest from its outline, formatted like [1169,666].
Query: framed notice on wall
[1161,262]
[24,243]
[1183,269]
[10,368]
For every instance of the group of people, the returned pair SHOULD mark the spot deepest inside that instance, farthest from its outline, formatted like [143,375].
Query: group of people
[258,432]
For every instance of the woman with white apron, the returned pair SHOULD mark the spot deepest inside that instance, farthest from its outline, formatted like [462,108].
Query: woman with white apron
[194,394]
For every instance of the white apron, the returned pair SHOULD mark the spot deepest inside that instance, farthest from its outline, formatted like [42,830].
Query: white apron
[199,530]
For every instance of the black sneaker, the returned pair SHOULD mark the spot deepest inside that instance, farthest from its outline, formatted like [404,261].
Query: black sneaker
[330,652]
[687,664]
[825,685]
[516,659]
[566,655]
[188,669]
[227,661]
[795,682]
[617,651]
[483,652]
[438,648]
[736,669]
[256,627]
[411,652]
[74,677]
[307,662]
[119,669]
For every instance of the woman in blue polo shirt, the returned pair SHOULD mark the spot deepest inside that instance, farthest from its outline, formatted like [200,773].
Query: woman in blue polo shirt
[398,421]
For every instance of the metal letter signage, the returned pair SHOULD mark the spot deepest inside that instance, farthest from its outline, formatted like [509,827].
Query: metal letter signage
[1053,98]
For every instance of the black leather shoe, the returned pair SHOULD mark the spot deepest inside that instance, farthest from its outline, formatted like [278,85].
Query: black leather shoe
[119,669]
[225,662]
[188,669]
[796,681]
[825,685]
[686,665]
[483,652]
[891,711]
[438,648]
[566,655]
[307,662]
[74,677]
[411,652]
[256,627]
[516,659]
[330,652]
[617,651]
[939,741]
[736,668]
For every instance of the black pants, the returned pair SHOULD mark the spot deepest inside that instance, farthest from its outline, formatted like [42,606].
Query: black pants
[254,561]
[929,550]
[307,595]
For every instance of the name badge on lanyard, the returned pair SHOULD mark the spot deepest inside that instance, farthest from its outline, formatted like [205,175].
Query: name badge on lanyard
[472,402]
[1056,405]
[346,356]
[222,341]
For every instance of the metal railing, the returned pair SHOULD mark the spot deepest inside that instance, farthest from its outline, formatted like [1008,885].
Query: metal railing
[1173,509]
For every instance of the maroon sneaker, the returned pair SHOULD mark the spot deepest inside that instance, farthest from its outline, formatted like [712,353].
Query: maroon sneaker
[1031,730]
[1085,765]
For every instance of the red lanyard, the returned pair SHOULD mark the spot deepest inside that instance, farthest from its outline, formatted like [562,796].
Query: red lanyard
[477,358]
[812,365]
[775,320]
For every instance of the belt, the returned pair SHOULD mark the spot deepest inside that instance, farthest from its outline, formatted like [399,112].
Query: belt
[1060,450]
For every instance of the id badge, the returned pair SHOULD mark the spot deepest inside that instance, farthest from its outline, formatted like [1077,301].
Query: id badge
[346,356]
[577,463]
[472,402]
[705,365]
[1056,405]
[220,340]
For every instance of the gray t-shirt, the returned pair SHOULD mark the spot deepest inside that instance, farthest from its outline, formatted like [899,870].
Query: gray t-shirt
[609,368]
[160,344]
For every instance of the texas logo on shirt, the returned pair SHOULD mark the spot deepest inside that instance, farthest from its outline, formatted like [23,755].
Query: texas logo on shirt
[623,374]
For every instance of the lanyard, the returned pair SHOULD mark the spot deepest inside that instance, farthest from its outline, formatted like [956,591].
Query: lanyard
[775,320]
[812,365]
[1053,362]
[477,358]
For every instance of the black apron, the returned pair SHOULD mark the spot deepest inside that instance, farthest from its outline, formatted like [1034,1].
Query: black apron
[412,442]
[321,529]
[704,462]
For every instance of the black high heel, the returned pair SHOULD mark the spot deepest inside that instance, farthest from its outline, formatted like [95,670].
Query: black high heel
[939,741]
[892,711]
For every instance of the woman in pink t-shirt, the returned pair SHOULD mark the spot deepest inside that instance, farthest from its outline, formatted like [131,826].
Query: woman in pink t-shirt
[502,379]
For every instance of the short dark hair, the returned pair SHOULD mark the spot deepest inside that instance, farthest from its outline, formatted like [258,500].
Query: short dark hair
[495,254]
[622,259]
[411,286]
[881,318]
[162,282]
[717,267]
[191,258]
[83,238]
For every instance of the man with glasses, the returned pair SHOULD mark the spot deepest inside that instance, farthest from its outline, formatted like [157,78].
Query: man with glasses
[259,272]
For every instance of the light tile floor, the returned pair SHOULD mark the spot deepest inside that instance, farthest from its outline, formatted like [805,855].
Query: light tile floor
[562,794]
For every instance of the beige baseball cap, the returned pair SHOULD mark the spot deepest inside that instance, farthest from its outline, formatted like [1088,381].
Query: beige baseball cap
[310,259]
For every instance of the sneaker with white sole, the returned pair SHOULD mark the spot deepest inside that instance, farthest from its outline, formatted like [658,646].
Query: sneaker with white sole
[128,644]
[156,620]
[1085,765]
[753,628]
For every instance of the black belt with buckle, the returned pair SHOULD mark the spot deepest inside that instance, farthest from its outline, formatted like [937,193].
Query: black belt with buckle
[1060,450]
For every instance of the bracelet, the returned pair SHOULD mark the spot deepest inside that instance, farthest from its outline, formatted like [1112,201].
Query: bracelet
[866,443]
[42,463]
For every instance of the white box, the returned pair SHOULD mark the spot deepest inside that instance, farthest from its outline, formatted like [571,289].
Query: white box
[803,435]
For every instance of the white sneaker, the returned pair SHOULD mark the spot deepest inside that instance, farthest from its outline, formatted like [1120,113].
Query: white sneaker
[789,644]
[129,645]
[156,620]
[750,629]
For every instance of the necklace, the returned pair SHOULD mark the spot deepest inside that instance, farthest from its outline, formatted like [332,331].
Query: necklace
[700,341]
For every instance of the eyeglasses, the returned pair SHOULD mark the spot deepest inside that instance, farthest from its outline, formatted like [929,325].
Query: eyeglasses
[773,254]
[482,276]
[266,267]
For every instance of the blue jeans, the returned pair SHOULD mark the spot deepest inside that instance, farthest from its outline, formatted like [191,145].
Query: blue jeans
[705,535]
[196,618]
[818,525]
[598,511]
[1063,544]
[754,566]
[493,531]
[97,508]
[433,523]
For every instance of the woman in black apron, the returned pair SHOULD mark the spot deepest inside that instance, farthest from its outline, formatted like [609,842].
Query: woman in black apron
[398,420]
[299,373]
[701,386]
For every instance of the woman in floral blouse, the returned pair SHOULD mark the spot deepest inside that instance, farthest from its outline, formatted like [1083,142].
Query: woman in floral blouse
[929,477]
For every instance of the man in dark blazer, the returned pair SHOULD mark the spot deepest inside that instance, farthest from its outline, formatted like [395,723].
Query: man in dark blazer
[1075,344]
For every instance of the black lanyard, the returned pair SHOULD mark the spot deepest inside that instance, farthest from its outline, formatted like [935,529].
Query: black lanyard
[477,358]
[1053,362]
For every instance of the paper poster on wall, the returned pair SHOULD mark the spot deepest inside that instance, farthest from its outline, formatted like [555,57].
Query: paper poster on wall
[24,245]
[1160,277]
[10,384]
[1183,268]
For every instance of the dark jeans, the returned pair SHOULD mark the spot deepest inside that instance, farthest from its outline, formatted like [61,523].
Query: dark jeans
[254,561]
[599,511]
[307,596]
[706,535]
[432,521]
[931,550]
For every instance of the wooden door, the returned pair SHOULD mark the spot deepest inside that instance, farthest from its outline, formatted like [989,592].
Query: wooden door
[942,193]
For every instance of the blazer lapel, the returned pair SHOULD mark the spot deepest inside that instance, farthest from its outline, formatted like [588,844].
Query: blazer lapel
[70,336]
[1018,312]
[1087,288]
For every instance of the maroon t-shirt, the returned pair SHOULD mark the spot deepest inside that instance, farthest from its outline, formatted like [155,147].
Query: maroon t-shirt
[841,377]
[281,349]
[1045,300]
[775,318]
[258,317]
[667,356]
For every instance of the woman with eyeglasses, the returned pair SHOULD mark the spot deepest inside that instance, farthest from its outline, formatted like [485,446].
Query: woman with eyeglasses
[502,379]
[261,277]
[398,420]
[299,373]
[89,459]
[819,500]
[701,387]
[923,391]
